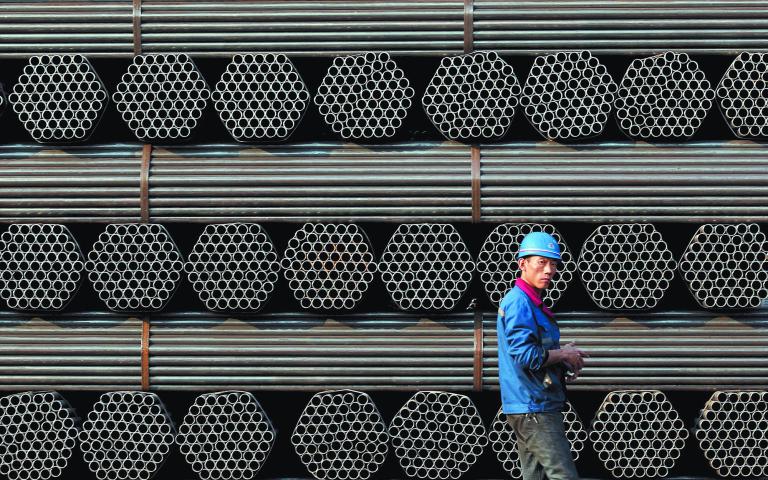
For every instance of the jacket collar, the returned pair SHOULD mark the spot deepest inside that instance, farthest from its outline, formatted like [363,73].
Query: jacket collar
[535,298]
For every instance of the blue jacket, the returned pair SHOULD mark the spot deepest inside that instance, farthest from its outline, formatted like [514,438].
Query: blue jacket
[524,333]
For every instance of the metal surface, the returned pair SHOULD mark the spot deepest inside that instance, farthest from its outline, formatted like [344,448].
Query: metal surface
[627,27]
[741,97]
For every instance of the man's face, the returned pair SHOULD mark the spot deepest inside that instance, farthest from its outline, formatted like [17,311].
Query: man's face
[537,271]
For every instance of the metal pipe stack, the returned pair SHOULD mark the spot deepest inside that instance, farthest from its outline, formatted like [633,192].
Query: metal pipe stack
[161,97]
[731,430]
[37,433]
[437,435]
[621,182]
[664,96]
[134,267]
[126,436]
[233,266]
[364,96]
[568,95]
[626,27]
[426,267]
[226,436]
[340,435]
[472,96]
[329,266]
[739,95]
[59,98]
[323,28]
[638,434]
[626,266]
[726,266]
[41,266]
[260,97]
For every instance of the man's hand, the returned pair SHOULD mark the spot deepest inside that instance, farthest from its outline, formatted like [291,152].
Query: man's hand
[573,357]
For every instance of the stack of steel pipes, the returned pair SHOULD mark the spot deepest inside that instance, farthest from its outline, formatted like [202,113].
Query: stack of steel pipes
[698,181]
[99,183]
[374,351]
[629,27]
[70,351]
[677,350]
[95,28]
[311,182]
[207,28]
[703,181]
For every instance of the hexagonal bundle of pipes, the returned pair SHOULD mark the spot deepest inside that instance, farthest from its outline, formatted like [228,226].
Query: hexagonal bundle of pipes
[504,441]
[663,96]
[40,266]
[364,96]
[226,435]
[233,266]
[637,434]
[426,267]
[162,97]
[568,95]
[37,435]
[472,96]
[626,266]
[134,267]
[340,435]
[726,266]
[328,265]
[732,430]
[59,98]
[127,436]
[260,97]
[741,95]
[437,435]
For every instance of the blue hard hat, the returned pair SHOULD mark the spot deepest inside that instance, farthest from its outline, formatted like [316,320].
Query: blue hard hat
[541,244]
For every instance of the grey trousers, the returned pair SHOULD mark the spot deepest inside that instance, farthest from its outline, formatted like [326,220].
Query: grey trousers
[545,452]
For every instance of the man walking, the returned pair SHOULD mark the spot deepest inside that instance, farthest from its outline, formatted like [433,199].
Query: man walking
[532,365]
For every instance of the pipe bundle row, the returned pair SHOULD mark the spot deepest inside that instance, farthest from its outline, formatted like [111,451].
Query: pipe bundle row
[626,27]
[377,351]
[261,97]
[59,98]
[329,266]
[340,435]
[426,28]
[637,434]
[732,430]
[161,97]
[40,266]
[37,435]
[134,267]
[626,266]
[226,435]
[504,441]
[126,436]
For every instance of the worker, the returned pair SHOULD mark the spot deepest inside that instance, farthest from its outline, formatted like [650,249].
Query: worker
[533,366]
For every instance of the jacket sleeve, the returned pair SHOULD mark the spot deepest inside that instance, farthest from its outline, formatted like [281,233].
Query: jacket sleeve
[521,335]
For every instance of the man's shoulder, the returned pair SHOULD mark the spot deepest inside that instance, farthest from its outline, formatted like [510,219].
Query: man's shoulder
[514,299]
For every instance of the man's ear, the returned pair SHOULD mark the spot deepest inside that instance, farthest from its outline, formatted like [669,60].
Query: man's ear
[520,262]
